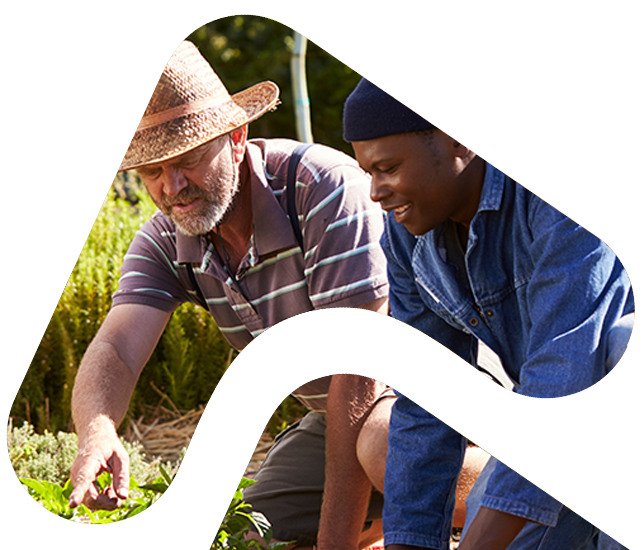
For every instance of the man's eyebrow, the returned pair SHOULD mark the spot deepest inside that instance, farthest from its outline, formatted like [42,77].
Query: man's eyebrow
[382,160]
[198,151]
[147,168]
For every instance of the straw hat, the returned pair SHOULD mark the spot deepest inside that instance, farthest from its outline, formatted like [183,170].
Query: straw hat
[191,106]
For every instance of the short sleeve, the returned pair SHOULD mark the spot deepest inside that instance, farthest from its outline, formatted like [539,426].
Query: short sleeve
[149,274]
[341,228]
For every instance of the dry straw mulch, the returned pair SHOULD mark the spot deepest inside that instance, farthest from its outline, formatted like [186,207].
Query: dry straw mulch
[164,433]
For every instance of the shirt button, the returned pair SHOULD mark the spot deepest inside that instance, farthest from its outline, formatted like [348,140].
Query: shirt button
[474,321]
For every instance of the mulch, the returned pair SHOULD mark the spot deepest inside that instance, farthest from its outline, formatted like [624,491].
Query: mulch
[164,433]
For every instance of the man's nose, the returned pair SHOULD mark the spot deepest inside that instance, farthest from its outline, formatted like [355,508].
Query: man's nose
[173,181]
[379,190]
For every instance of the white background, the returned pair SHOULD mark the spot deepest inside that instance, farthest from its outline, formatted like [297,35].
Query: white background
[551,95]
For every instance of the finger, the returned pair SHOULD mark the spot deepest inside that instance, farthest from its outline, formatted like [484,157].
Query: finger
[106,500]
[120,475]
[83,487]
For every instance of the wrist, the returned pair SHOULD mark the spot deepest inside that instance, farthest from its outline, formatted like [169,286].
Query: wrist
[99,427]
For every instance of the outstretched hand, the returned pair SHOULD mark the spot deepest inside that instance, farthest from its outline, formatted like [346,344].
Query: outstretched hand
[101,452]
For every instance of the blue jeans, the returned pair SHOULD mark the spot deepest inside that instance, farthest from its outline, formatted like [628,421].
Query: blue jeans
[423,464]
[571,532]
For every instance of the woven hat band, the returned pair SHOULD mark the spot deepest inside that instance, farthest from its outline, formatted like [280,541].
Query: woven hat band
[186,109]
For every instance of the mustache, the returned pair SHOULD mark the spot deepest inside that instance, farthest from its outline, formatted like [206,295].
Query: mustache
[185,196]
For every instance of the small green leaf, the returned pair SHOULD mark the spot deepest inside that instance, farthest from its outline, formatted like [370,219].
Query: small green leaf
[154,487]
[165,475]
[246,482]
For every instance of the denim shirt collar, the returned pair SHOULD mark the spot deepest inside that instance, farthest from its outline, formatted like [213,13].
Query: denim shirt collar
[492,191]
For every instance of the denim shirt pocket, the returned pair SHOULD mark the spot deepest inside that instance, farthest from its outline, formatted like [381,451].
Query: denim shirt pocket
[438,306]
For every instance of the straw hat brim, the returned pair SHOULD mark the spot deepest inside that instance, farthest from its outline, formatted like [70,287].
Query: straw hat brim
[184,133]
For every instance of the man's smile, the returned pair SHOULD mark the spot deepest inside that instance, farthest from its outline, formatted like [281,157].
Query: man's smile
[400,212]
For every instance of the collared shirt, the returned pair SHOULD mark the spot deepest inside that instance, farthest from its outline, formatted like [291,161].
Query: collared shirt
[342,265]
[542,294]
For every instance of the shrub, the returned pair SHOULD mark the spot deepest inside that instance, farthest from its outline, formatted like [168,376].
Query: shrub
[237,524]
[48,457]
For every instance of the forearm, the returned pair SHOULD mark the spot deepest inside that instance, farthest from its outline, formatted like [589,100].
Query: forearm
[492,530]
[112,364]
[347,488]
[102,390]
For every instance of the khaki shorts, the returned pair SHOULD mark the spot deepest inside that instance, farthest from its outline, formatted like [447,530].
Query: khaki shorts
[290,483]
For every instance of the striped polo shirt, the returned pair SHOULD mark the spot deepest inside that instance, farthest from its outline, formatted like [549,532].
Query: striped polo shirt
[342,264]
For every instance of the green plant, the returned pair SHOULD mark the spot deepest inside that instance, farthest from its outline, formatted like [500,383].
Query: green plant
[237,524]
[42,463]
[55,498]
[231,535]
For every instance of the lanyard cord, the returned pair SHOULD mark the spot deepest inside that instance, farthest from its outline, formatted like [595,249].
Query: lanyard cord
[229,271]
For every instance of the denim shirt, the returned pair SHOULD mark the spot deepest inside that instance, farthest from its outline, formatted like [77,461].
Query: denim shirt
[543,293]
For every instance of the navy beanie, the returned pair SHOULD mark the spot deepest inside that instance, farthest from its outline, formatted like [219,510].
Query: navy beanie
[370,113]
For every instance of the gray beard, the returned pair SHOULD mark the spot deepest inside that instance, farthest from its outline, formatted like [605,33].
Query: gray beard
[218,198]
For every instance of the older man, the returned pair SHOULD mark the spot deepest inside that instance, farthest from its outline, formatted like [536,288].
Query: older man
[223,240]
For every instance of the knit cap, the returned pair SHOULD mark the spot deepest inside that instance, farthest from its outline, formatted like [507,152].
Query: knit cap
[370,113]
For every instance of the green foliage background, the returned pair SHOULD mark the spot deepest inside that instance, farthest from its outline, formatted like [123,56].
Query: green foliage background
[192,355]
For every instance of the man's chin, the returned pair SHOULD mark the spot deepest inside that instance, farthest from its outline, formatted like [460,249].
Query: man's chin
[194,228]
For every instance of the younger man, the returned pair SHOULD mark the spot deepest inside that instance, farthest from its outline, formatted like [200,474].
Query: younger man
[474,257]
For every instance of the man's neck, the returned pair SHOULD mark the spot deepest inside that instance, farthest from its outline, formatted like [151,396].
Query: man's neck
[472,182]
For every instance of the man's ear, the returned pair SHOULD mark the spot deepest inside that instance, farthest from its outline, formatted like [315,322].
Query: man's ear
[460,150]
[238,139]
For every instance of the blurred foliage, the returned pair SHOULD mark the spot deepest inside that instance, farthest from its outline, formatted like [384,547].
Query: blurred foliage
[245,50]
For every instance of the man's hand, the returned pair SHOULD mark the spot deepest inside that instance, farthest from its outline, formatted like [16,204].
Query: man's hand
[104,383]
[102,451]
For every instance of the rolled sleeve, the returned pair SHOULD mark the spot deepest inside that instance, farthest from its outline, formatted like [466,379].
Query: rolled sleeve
[424,460]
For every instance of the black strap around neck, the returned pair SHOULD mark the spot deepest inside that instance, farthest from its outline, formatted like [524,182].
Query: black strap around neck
[291,183]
